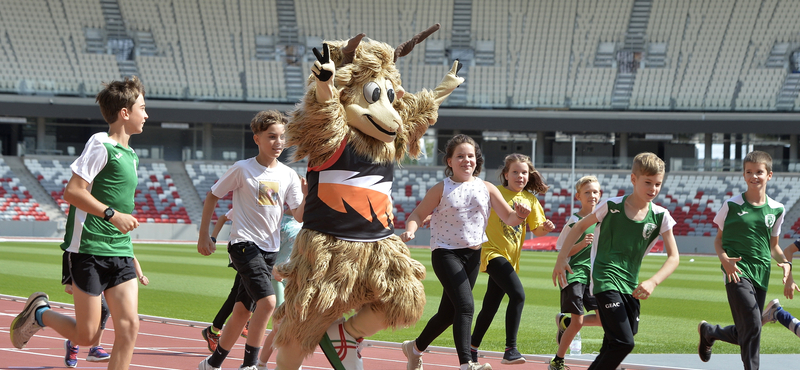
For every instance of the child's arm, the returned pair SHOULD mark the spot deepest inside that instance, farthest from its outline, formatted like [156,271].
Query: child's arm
[777,254]
[728,264]
[77,194]
[645,288]
[298,212]
[205,245]
[142,279]
[545,228]
[512,217]
[559,275]
[423,209]
[218,227]
[789,287]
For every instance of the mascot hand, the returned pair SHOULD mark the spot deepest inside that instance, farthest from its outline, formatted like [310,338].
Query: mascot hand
[448,84]
[324,70]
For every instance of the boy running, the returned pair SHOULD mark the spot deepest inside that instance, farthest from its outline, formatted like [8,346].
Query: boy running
[629,227]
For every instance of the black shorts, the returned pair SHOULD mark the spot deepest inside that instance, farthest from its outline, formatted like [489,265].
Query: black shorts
[66,277]
[254,266]
[576,297]
[94,274]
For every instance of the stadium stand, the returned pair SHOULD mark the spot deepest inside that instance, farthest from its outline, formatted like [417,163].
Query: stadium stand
[16,203]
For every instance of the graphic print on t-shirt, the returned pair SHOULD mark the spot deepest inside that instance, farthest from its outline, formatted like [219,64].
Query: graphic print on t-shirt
[268,193]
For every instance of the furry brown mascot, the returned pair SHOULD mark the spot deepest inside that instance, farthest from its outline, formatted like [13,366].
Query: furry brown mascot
[353,124]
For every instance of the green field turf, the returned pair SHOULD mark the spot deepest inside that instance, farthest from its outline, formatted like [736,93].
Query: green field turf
[186,285]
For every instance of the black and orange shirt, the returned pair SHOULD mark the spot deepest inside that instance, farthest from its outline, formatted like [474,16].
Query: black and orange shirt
[349,197]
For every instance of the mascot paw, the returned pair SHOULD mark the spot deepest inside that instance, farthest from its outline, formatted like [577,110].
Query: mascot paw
[342,350]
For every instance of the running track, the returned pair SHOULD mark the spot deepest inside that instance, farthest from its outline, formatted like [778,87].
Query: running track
[167,344]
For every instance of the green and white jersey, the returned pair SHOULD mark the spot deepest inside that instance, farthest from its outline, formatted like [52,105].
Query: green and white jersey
[110,170]
[580,262]
[746,230]
[620,244]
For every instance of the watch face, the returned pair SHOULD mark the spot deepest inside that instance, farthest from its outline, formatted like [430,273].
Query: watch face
[109,212]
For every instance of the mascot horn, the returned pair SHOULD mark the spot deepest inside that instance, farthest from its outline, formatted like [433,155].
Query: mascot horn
[354,122]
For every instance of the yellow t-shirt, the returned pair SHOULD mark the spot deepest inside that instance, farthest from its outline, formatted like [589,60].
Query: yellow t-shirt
[506,241]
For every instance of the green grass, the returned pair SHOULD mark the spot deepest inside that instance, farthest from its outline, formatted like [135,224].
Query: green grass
[186,285]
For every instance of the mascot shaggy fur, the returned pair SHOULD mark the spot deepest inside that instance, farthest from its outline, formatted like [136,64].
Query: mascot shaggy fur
[354,122]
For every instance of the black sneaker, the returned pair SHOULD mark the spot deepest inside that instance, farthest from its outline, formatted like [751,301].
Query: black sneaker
[512,356]
[704,347]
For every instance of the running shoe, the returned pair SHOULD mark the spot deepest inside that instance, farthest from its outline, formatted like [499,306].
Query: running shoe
[98,354]
[211,339]
[24,325]
[71,357]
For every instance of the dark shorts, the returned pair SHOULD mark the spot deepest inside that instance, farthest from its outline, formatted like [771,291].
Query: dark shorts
[576,297]
[66,277]
[94,274]
[254,266]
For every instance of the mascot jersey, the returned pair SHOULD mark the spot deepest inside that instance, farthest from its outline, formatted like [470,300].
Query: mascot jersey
[349,197]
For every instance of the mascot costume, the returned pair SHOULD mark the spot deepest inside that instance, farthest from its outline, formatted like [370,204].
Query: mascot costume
[354,122]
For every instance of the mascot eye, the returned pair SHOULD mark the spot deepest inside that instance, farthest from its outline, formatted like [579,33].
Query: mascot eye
[372,92]
[390,92]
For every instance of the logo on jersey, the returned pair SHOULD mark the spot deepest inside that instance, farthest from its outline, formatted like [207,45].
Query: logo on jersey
[268,193]
[613,210]
[118,155]
[769,220]
[742,213]
[648,229]
[367,195]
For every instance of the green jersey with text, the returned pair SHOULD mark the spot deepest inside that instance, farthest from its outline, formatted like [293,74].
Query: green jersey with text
[746,231]
[110,170]
[621,243]
[580,262]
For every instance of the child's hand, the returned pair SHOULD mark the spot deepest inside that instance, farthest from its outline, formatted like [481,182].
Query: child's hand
[522,210]
[588,239]
[549,226]
[559,276]
[143,279]
[406,236]
[124,222]
[206,246]
[731,270]
[276,275]
[787,271]
[644,289]
[789,288]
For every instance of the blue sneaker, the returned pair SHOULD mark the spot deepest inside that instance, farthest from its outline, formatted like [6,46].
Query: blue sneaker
[98,354]
[71,357]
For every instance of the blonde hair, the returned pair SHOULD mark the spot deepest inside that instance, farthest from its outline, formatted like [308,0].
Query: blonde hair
[758,156]
[583,181]
[647,164]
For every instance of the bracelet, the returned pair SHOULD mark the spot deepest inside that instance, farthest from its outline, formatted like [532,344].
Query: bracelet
[790,265]
[517,214]
[213,239]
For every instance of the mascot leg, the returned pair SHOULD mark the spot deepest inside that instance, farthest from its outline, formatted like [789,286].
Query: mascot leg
[342,349]
[290,357]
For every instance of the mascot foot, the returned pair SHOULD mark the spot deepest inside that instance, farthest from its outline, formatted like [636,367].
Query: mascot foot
[342,350]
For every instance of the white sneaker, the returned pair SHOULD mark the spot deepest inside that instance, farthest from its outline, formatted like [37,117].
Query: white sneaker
[24,325]
[339,346]
[414,360]
[203,365]
[769,312]
[478,366]
[251,367]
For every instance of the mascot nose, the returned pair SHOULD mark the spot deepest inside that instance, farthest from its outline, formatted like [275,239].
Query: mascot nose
[385,115]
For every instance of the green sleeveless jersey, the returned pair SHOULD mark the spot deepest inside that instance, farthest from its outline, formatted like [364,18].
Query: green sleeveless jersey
[621,243]
[110,170]
[746,230]
[580,262]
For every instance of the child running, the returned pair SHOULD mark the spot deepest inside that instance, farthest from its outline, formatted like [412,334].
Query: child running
[749,230]
[211,333]
[101,197]
[500,255]
[774,311]
[96,352]
[460,205]
[260,186]
[576,296]
[629,227]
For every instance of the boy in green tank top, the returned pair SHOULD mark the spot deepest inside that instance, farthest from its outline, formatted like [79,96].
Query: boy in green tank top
[100,193]
[627,228]
[749,230]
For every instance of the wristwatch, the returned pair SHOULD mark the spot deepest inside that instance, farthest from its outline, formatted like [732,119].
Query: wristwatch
[108,213]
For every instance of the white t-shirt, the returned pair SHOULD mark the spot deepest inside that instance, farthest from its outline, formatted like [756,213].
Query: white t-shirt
[258,196]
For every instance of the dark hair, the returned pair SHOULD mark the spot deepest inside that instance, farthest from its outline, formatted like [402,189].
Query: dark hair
[536,183]
[117,95]
[266,118]
[450,148]
[757,157]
